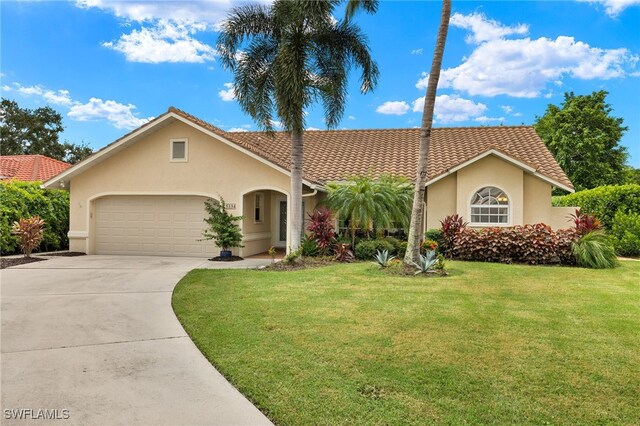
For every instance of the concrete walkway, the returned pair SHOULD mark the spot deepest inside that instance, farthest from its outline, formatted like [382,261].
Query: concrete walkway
[96,335]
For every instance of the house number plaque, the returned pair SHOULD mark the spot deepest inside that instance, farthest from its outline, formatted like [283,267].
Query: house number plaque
[230,206]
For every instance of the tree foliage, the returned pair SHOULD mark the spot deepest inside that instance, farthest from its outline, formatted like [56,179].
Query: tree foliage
[223,227]
[584,138]
[26,132]
[369,203]
[285,57]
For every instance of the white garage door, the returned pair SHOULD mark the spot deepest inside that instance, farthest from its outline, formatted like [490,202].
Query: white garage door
[151,225]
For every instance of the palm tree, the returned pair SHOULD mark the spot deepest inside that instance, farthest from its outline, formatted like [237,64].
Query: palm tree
[415,231]
[286,56]
[366,202]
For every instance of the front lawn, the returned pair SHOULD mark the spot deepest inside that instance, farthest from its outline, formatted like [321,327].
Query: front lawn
[491,343]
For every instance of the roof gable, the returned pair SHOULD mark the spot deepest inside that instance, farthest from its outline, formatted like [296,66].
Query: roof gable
[336,154]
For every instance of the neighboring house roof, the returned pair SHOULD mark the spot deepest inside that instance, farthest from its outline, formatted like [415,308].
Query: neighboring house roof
[337,154]
[30,167]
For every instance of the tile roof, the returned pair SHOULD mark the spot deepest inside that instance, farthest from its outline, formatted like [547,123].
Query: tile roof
[336,154]
[30,167]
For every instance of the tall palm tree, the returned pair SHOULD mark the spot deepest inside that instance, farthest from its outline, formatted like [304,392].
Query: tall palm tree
[286,56]
[415,231]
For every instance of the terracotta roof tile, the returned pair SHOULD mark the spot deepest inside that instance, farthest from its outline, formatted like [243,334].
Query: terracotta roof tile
[30,167]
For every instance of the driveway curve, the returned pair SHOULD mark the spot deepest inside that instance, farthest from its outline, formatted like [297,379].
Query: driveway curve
[96,336]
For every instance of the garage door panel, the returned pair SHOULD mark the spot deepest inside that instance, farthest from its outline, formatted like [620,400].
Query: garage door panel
[151,225]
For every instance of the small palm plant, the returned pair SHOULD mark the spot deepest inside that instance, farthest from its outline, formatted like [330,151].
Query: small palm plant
[383,259]
[426,262]
[595,250]
[30,231]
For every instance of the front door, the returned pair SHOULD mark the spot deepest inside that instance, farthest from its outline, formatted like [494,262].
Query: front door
[282,222]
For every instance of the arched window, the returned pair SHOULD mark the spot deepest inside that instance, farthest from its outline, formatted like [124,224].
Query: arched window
[490,205]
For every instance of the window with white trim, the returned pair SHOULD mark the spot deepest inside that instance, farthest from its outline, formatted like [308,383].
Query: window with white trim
[179,150]
[490,206]
[258,207]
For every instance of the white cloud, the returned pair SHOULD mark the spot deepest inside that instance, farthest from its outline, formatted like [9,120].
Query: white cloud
[120,115]
[351,117]
[524,67]
[452,108]
[416,52]
[237,129]
[506,108]
[6,88]
[393,108]
[614,7]
[59,97]
[312,128]
[212,11]
[229,94]
[485,119]
[164,41]
[484,29]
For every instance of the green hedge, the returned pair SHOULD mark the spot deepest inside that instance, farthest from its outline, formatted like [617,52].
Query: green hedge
[367,249]
[604,201]
[25,199]
[626,233]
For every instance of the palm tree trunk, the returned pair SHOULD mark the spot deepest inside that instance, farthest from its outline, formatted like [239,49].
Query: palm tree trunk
[415,231]
[297,150]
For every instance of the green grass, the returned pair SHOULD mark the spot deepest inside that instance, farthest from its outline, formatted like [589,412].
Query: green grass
[490,343]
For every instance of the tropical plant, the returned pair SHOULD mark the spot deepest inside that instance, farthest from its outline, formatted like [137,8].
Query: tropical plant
[415,228]
[426,262]
[366,202]
[382,258]
[30,231]
[434,235]
[309,247]
[626,233]
[343,253]
[272,252]
[584,222]
[451,226]
[223,227]
[428,245]
[595,250]
[293,255]
[322,230]
[284,57]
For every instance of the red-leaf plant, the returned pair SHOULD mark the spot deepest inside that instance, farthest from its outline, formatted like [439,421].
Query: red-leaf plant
[322,230]
[585,222]
[451,227]
[30,231]
[343,253]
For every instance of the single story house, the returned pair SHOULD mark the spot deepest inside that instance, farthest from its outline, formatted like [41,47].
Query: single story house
[30,168]
[144,193]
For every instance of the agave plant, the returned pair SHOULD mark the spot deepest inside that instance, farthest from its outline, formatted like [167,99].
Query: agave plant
[382,258]
[426,263]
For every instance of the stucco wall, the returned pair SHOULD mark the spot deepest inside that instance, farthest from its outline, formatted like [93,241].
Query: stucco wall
[537,200]
[441,200]
[491,171]
[144,168]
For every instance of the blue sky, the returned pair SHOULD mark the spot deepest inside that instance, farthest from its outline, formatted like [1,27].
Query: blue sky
[108,66]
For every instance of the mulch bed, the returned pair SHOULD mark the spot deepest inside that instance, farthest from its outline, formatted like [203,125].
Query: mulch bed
[226,259]
[15,261]
[300,263]
[66,254]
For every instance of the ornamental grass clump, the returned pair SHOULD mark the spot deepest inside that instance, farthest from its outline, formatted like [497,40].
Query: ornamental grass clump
[30,231]
[595,250]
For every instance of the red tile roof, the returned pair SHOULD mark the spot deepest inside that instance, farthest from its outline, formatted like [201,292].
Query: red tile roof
[336,154]
[30,167]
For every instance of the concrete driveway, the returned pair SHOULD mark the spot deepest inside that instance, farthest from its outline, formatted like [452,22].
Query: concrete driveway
[96,336]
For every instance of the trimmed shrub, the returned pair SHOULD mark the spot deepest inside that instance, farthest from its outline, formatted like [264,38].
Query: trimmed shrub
[366,250]
[396,243]
[625,233]
[428,245]
[604,201]
[26,199]
[533,244]
[434,235]
[595,250]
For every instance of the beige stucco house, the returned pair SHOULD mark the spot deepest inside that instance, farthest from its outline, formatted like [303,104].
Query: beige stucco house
[144,193]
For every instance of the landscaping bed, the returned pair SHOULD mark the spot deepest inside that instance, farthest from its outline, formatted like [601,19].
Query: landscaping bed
[15,261]
[488,344]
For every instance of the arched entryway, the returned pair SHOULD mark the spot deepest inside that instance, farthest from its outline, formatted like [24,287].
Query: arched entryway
[265,212]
